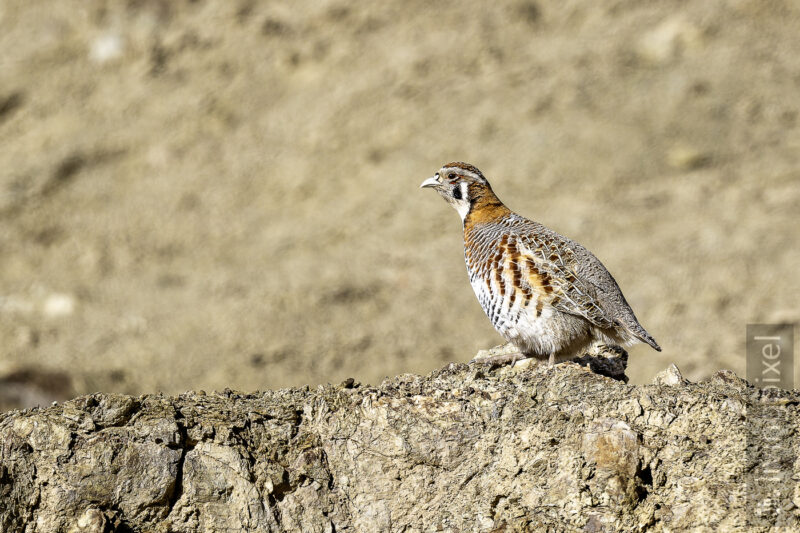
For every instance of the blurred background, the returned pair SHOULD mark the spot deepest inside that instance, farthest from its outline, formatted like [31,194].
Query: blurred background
[200,194]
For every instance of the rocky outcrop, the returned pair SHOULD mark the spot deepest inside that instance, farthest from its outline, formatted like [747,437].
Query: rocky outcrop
[467,448]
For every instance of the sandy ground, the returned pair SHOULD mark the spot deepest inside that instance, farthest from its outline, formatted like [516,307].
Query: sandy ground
[200,195]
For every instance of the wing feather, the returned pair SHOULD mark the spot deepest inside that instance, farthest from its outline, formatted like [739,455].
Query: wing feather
[552,269]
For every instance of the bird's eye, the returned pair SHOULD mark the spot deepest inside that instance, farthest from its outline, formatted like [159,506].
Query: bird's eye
[457,193]
[451,176]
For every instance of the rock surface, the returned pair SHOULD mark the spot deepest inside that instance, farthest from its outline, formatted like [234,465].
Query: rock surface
[466,448]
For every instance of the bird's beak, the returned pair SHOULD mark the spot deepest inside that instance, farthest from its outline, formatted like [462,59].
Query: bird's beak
[433,181]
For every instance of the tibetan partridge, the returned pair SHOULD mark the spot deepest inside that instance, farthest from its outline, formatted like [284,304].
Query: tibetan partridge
[545,294]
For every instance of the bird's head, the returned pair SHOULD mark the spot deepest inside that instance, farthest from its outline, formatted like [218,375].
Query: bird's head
[461,185]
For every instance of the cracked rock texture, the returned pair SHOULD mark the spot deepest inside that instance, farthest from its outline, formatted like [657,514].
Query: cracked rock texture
[465,448]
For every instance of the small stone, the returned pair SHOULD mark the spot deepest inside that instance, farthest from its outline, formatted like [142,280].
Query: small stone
[631,407]
[668,40]
[106,48]
[670,377]
[91,521]
[58,305]
[600,522]
[659,419]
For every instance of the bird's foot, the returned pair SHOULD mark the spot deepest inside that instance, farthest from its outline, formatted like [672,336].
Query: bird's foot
[499,360]
[504,354]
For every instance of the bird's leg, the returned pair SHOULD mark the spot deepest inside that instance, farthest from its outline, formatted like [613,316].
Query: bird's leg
[552,359]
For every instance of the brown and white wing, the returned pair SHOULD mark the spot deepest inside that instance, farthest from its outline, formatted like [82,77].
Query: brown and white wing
[549,265]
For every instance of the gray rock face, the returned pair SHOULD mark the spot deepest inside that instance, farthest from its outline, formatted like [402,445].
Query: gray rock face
[463,449]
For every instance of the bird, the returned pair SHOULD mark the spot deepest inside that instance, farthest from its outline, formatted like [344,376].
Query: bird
[547,295]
